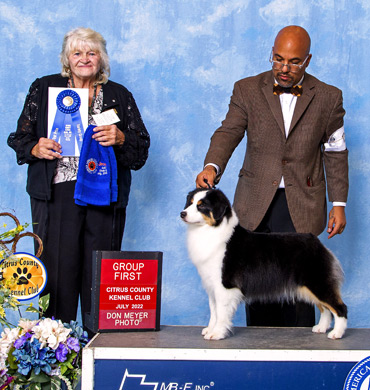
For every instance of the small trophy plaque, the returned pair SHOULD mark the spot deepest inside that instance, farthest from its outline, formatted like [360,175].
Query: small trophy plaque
[126,292]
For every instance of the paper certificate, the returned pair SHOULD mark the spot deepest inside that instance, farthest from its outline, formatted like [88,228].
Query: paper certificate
[68,118]
[106,118]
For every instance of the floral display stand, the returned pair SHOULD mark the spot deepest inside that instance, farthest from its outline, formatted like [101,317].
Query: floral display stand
[40,354]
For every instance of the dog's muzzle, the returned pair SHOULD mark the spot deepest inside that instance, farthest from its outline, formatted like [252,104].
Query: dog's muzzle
[183,214]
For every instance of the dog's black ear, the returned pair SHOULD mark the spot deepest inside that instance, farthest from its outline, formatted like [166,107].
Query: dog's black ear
[221,206]
[221,212]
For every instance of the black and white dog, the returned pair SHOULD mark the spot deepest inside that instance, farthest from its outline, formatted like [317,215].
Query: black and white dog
[236,264]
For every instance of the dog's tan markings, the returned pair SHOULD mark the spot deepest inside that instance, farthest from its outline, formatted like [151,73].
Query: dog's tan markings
[329,307]
[309,296]
[321,308]
[306,294]
[210,220]
[338,299]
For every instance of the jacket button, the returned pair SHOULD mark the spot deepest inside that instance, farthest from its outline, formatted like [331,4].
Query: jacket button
[275,183]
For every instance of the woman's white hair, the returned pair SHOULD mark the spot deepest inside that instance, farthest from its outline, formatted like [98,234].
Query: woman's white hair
[78,39]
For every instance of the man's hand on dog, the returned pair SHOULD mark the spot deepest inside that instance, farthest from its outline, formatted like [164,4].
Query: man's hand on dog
[337,221]
[207,177]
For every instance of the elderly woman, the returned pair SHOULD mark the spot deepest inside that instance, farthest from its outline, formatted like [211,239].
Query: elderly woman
[71,232]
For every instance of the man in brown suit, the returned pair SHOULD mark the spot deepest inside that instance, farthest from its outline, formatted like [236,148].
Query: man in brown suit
[292,133]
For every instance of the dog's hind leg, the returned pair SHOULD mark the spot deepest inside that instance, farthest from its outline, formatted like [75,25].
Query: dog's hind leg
[340,326]
[334,303]
[226,301]
[339,311]
[325,320]
[331,301]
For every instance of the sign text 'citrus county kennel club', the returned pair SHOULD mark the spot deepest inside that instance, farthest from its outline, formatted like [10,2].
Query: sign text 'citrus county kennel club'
[127,290]
[28,274]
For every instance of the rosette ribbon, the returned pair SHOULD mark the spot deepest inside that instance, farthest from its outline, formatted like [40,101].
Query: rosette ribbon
[67,127]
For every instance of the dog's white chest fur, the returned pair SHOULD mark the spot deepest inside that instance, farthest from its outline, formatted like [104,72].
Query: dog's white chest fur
[207,243]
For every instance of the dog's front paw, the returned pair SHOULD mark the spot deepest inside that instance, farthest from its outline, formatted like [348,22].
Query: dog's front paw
[319,328]
[205,331]
[215,334]
[335,334]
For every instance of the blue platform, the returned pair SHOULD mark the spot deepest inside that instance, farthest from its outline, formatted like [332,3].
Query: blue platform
[178,358]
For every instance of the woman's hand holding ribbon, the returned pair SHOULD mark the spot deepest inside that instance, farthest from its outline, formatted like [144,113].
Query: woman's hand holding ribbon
[109,135]
[47,148]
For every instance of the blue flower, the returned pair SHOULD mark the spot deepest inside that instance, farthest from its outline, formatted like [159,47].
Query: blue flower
[61,352]
[77,332]
[73,344]
[30,356]
[20,342]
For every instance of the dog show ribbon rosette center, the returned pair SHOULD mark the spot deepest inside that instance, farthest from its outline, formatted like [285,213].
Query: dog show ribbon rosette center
[67,128]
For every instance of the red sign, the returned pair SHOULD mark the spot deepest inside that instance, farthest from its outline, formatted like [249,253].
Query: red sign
[128,294]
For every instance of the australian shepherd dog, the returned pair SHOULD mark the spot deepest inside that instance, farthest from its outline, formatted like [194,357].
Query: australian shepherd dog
[236,264]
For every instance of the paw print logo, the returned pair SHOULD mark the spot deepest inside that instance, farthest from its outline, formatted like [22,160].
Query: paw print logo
[22,275]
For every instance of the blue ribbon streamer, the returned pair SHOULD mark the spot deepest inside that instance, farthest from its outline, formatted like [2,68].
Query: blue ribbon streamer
[67,127]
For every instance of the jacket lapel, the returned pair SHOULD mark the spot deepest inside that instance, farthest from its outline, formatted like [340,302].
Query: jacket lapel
[273,101]
[303,101]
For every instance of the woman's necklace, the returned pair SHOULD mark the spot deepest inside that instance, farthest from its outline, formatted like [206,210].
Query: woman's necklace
[93,98]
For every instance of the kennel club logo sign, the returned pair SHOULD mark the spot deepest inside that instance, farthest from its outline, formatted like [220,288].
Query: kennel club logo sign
[129,294]
[359,377]
[28,274]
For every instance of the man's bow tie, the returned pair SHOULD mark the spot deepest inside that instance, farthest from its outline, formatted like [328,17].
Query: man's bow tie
[297,90]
